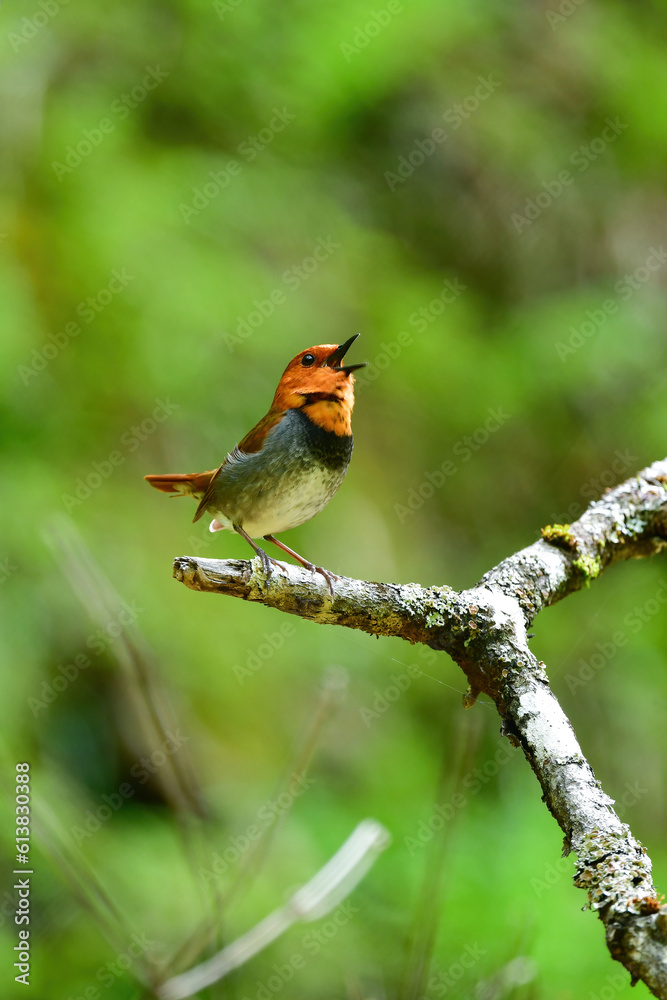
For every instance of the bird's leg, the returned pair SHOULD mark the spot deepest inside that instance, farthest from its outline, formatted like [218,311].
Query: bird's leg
[266,560]
[329,577]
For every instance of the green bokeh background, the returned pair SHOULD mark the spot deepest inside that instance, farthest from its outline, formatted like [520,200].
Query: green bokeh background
[584,400]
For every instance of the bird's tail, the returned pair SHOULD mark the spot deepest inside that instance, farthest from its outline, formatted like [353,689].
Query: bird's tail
[190,484]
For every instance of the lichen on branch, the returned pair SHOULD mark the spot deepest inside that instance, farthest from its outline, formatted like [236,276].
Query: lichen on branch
[484,630]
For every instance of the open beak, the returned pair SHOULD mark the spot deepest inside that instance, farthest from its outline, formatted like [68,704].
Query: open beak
[334,360]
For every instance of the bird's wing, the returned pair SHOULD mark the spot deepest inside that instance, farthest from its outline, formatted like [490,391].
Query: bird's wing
[254,439]
[251,443]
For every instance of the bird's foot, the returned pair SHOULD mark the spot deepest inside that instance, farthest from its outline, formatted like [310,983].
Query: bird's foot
[268,563]
[329,577]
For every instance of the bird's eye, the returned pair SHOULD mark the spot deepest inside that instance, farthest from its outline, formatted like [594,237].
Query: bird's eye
[307,360]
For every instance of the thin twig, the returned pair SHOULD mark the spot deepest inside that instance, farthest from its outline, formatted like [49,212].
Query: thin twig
[326,890]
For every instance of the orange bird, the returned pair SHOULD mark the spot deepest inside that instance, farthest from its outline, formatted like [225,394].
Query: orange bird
[290,465]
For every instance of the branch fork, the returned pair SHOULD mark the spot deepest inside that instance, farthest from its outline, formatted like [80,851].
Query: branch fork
[484,630]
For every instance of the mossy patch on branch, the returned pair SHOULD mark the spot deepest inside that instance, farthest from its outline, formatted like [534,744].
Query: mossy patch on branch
[588,567]
[560,535]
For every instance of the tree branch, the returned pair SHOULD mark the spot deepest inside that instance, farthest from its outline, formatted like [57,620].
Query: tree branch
[484,630]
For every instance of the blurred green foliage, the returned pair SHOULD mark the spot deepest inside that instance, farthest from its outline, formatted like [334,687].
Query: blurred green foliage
[489,183]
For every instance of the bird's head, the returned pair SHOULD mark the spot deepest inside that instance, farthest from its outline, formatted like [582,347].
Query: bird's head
[317,381]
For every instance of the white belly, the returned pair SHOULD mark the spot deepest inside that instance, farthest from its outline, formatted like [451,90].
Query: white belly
[294,504]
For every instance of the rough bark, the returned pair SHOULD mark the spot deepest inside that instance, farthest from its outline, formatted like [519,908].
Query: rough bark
[484,630]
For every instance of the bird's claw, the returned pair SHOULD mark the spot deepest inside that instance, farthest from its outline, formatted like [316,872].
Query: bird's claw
[329,577]
[268,563]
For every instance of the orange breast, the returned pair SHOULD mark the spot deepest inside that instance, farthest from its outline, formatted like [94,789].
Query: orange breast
[331,415]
